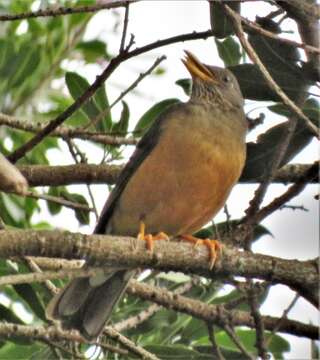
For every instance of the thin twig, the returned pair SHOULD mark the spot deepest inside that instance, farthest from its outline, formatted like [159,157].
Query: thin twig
[130,345]
[58,200]
[83,159]
[45,333]
[124,93]
[260,338]
[282,318]
[217,354]
[114,349]
[113,64]
[250,219]
[235,338]
[47,275]
[139,78]
[35,267]
[144,315]
[293,191]
[125,27]
[56,346]
[257,28]
[63,131]
[65,10]
[236,19]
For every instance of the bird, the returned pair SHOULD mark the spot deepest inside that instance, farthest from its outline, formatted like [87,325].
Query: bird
[177,179]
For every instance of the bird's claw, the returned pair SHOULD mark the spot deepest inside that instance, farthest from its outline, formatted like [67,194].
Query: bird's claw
[149,238]
[214,247]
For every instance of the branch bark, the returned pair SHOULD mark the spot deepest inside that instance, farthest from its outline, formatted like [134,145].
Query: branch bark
[14,122]
[216,314]
[44,175]
[302,276]
[52,333]
[11,179]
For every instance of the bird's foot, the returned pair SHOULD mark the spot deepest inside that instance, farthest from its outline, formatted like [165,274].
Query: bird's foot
[149,238]
[214,247]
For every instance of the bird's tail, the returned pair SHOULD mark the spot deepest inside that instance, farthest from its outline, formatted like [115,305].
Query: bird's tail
[86,303]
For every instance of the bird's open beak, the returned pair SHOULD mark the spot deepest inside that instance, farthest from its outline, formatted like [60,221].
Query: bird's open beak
[197,69]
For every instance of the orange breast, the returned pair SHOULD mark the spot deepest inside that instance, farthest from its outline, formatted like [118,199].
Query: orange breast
[181,185]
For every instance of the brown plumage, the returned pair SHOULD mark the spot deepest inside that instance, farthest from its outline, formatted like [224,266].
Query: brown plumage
[178,178]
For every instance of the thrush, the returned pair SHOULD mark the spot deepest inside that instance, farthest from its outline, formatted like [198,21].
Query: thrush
[177,179]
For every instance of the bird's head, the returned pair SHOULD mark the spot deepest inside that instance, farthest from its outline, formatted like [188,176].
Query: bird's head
[212,83]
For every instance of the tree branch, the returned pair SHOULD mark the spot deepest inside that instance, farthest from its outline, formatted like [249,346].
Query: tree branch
[113,64]
[216,314]
[302,276]
[52,333]
[236,20]
[45,175]
[11,179]
[65,10]
[63,131]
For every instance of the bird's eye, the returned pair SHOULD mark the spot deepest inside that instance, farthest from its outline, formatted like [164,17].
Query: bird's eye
[226,79]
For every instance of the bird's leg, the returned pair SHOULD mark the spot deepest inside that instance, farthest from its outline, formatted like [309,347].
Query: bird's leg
[214,247]
[149,238]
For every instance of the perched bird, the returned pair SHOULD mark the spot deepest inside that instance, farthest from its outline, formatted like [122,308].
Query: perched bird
[178,178]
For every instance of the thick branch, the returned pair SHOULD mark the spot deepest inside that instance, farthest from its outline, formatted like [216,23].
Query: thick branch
[216,314]
[301,276]
[11,179]
[52,333]
[44,175]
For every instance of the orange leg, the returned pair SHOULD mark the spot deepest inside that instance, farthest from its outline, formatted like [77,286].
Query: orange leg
[149,238]
[214,247]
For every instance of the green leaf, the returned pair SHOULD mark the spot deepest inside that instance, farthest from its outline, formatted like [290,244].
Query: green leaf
[30,297]
[311,109]
[229,51]
[186,85]
[277,346]
[53,207]
[176,352]
[13,351]
[235,294]
[121,127]
[195,330]
[253,85]
[148,117]
[81,215]
[260,155]
[6,54]
[274,54]
[101,99]
[221,25]
[92,50]
[227,353]
[77,85]
[24,65]
[9,316]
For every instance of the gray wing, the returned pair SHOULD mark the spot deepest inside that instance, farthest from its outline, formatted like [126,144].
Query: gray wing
[143,149]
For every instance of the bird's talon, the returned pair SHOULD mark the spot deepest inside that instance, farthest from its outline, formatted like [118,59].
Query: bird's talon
[214,247]
[149,238]
[161,236]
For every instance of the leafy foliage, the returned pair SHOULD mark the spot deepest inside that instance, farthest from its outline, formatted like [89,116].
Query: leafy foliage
[37,83]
